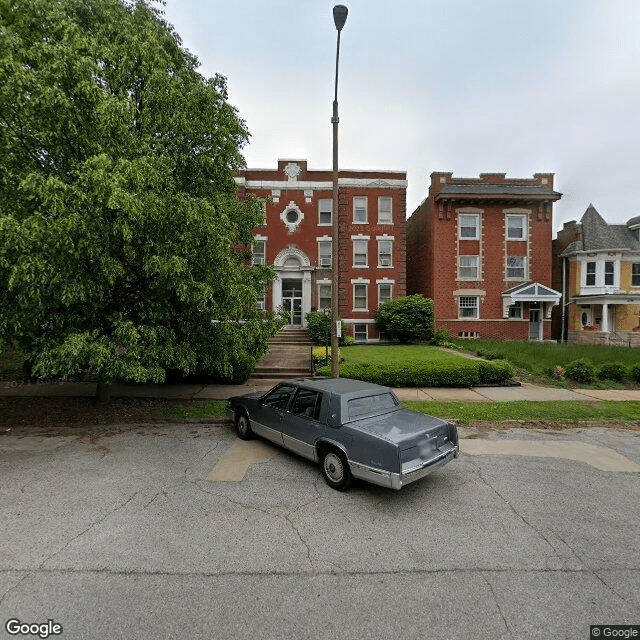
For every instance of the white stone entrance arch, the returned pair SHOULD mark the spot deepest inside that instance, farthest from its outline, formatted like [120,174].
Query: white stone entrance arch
[293,264]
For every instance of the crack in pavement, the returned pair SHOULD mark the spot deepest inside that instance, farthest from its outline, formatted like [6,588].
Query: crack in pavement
[93,524]
[498,607]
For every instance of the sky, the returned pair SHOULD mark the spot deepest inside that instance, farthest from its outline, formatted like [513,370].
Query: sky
[509,86]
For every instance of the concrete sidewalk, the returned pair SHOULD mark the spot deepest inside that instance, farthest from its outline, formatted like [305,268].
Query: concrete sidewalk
[222,392]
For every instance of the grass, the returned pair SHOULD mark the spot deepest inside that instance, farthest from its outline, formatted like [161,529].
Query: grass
[539,358]
[555,411]
[208,409]
[399,354]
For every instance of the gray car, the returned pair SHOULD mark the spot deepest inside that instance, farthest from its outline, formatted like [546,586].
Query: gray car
[353,429]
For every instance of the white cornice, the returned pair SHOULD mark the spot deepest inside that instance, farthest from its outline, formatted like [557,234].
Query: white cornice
[362,183]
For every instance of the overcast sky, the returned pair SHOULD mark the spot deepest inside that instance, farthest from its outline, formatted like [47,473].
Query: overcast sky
[468,86]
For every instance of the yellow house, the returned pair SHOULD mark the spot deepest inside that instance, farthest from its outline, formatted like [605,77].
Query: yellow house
[599,264]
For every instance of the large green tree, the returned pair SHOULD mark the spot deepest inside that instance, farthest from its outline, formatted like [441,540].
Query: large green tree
[119,224]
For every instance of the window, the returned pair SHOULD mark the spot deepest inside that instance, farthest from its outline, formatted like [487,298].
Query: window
[515,310]
[384,293]
[324,253]
[325,206]
[371,405]
[635,274]
[468,268]
[384,253]
[516,267]
[292,216]
[609,272]
[516,227]
[360,332]
[360,209]
[469,224]
[468,307]
[324,296]
[307,403]
[259,252]
[279,398]
[260,302]
[384,210]
[360,258]
[591,274]
[360,297]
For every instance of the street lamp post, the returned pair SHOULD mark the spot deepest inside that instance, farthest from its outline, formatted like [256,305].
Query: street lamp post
[339,18]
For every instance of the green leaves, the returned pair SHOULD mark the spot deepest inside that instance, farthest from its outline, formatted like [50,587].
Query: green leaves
[119,226]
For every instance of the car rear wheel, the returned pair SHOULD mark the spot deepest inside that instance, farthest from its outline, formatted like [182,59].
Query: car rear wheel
[243,426]
[335,469]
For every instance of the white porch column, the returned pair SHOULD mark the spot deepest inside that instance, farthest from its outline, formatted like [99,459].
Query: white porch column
[277,291]
[604,327]
[306,296]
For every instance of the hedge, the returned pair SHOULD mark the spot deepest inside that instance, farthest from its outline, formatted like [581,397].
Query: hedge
[425,374]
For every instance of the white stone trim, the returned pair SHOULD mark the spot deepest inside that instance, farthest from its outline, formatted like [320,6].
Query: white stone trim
[362,183]
[292,226]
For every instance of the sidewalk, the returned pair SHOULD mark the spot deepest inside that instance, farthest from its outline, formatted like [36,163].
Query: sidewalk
[222,392]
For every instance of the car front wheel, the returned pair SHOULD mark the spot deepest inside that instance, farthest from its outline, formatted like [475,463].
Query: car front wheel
[243,426]
[335,469]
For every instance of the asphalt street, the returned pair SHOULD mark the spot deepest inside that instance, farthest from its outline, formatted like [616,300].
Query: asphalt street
[176,531]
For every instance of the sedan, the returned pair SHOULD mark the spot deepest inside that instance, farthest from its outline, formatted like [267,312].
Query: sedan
[353,429]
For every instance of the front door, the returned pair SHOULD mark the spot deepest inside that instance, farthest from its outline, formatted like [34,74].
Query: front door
[292,301]
[534,324]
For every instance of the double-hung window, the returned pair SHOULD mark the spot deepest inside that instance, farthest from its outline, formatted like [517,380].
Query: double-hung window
[469,226]
[384,253]
[516,227]
[384,292]
[324,296]
[384,210]
[468,268]
[360,297]
[324,253]
[609,272]
[360,209]
[325,206]
[259,252]
[635,274]
[516,267]
[590,280]
[360,257]
[468,307]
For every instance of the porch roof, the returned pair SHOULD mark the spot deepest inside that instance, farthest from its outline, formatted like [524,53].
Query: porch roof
[608,298]
[531,292]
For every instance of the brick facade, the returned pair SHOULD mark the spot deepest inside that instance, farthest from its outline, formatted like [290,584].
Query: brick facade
[481,248]
[297,235]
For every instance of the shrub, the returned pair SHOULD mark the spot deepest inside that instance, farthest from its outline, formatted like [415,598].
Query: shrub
[319,328]
[634,372]
[425,374]
[581,370]
[407,319]
[612,371]
[557,372]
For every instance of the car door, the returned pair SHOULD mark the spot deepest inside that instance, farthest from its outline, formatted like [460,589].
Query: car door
[268,417]
[301,424]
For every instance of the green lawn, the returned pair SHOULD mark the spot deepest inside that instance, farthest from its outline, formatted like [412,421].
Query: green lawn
[539,357]
[398,354]
[550,411]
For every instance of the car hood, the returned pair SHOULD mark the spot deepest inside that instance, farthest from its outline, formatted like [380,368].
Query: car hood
[402,427]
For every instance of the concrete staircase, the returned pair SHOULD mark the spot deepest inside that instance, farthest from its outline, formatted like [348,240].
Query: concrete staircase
[289,356]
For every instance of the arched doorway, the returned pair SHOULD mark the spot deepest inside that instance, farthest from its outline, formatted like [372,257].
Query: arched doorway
[292,287]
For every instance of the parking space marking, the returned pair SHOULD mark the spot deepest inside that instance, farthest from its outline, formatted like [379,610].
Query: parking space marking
[233,465]
[601,458]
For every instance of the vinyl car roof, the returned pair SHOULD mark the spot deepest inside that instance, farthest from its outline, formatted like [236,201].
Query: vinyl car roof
[343,386]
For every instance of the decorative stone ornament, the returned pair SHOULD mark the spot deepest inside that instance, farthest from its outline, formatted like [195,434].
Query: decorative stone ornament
[292,216]
[292,171]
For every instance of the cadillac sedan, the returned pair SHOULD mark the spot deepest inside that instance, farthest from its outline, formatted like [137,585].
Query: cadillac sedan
[353,429]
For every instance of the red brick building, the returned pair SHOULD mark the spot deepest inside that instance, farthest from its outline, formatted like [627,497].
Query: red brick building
[481,248]
[297,235]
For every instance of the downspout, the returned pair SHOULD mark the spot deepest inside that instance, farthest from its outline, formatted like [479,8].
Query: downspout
[564,281]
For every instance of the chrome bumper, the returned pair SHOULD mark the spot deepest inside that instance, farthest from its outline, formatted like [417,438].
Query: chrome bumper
[399,480]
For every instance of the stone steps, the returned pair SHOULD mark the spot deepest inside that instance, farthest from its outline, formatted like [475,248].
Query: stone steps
[289,356]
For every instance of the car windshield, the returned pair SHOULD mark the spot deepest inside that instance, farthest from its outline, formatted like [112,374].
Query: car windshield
[370,405]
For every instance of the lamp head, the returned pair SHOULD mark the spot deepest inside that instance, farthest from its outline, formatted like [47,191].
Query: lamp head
[340,16]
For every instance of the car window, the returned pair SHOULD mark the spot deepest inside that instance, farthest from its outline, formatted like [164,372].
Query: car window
[370,405]
[279,397]
[307,404]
